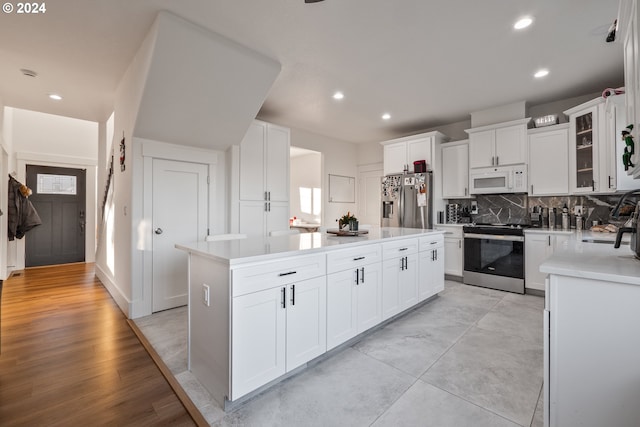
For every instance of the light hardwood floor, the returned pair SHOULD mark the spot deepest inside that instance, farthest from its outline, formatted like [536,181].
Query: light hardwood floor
[70,358]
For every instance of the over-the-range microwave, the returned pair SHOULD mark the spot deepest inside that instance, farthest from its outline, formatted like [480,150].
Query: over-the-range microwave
[498,179]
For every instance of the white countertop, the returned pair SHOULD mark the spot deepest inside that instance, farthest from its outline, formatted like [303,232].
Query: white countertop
[252,249]
[600,261]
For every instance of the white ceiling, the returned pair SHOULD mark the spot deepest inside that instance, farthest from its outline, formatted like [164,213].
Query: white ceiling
[426,62]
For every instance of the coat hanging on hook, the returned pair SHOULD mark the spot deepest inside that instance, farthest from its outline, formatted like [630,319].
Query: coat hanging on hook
[21,215]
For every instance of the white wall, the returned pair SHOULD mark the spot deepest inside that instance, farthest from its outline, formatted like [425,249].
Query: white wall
[339,158]
[4,166]
[305,171]
[114,267]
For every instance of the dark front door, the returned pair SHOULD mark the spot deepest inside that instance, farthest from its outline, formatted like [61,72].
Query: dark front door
[59,198]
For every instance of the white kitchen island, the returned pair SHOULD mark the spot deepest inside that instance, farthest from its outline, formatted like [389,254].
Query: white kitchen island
[592,335]
[261,308]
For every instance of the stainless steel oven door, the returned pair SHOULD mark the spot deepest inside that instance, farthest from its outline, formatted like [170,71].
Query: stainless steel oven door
[494,261]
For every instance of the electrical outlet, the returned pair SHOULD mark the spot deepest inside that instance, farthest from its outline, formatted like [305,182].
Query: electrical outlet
[205,295]
[578,210]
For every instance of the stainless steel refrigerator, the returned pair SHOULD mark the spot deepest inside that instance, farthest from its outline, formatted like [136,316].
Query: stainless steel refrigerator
[407,200]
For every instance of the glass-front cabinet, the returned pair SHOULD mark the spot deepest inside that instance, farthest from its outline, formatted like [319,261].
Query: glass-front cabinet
[583,148]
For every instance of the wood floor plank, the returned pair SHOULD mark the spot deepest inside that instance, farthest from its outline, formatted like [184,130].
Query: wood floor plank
[69,357]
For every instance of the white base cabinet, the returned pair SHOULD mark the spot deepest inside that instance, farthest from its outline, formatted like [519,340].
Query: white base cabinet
[399,276]
[354,293]
[432,260]
[537,248]
[591,353]
[453,249]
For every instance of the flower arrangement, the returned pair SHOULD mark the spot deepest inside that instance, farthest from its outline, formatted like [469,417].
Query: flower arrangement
[345,219]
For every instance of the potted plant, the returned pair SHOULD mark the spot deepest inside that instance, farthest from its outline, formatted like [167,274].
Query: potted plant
[348,220]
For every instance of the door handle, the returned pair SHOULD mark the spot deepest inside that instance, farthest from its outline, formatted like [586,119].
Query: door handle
[82,223]
[158,230]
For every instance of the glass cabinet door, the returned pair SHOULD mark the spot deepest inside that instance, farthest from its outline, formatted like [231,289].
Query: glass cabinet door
[584,134]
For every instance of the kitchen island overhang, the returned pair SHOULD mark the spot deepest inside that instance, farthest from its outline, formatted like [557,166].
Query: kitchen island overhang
[261,308]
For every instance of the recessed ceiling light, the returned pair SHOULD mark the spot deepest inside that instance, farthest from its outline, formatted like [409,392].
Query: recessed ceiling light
[386,116]
[541,73]
[522,23]
[338,95]
[55,96]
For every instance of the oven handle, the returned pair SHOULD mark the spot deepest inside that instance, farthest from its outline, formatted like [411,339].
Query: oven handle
[494,237]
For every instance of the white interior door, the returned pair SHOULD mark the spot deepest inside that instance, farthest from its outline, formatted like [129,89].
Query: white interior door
[179,215]
[369,199]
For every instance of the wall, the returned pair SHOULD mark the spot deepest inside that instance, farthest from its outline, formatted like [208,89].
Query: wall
[4,170]
[306,172]
[339,158]
[114,267]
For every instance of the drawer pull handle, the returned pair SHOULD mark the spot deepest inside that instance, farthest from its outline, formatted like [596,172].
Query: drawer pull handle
[287,273]
[403,249]
[433,243]
[359,258]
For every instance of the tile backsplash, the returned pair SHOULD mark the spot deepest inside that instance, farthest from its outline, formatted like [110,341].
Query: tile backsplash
[515,208]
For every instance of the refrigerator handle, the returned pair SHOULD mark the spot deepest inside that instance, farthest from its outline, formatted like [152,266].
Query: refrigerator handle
[401,210]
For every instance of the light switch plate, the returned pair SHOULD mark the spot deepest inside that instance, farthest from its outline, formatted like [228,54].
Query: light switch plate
[205,295]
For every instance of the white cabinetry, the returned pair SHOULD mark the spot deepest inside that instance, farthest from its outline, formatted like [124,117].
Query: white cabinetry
[278,318]
[263,184]
[453,251]
[399,154]
[499,144]
[399,276]
[628,17]
[354,293]
[431,260]
[455,169]
[537,248]
[548,160]
[591,323]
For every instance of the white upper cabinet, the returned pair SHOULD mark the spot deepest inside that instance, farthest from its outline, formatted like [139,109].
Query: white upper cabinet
[498,145]
[548,160]
[455,169]
[264,163]
[399,154]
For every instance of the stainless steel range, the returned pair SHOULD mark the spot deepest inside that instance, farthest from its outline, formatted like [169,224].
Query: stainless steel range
[494,256]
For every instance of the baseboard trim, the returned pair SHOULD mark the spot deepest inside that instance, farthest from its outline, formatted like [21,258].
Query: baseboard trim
[121,300]
[166,372]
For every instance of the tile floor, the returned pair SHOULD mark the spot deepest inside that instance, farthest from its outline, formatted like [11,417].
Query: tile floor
[471,357]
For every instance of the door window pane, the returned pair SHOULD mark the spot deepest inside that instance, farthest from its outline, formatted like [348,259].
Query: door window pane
[56,184]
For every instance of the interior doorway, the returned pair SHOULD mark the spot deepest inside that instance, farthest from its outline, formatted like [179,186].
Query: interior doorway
[369,193]
[59,197]
[305,177]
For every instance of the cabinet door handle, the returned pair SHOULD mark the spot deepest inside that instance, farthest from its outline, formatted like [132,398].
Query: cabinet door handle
[465,191]
[362,275]
[436,251]
[288,273]
[358,258]
[593,184]
[265,195]
[401,263]
[293,294]
[497,160]
[609,181]
[493,161]
[357,276]
[283,291]
[549,240]
[459,244]
[531,188]
[269,195]
[266,209]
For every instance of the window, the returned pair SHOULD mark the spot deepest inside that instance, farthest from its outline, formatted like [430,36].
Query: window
[57,184]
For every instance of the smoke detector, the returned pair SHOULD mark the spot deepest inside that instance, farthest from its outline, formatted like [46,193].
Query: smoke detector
[28,73]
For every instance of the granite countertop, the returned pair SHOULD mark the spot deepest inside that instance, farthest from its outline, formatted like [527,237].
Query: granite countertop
[581,257]
[257,249]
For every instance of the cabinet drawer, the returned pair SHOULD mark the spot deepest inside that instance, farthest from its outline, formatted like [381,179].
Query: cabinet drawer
[450,231]
[277,273]
[346,259]
[431,242]
[399,248]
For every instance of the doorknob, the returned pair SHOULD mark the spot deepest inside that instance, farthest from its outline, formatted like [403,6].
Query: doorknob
[158,230]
